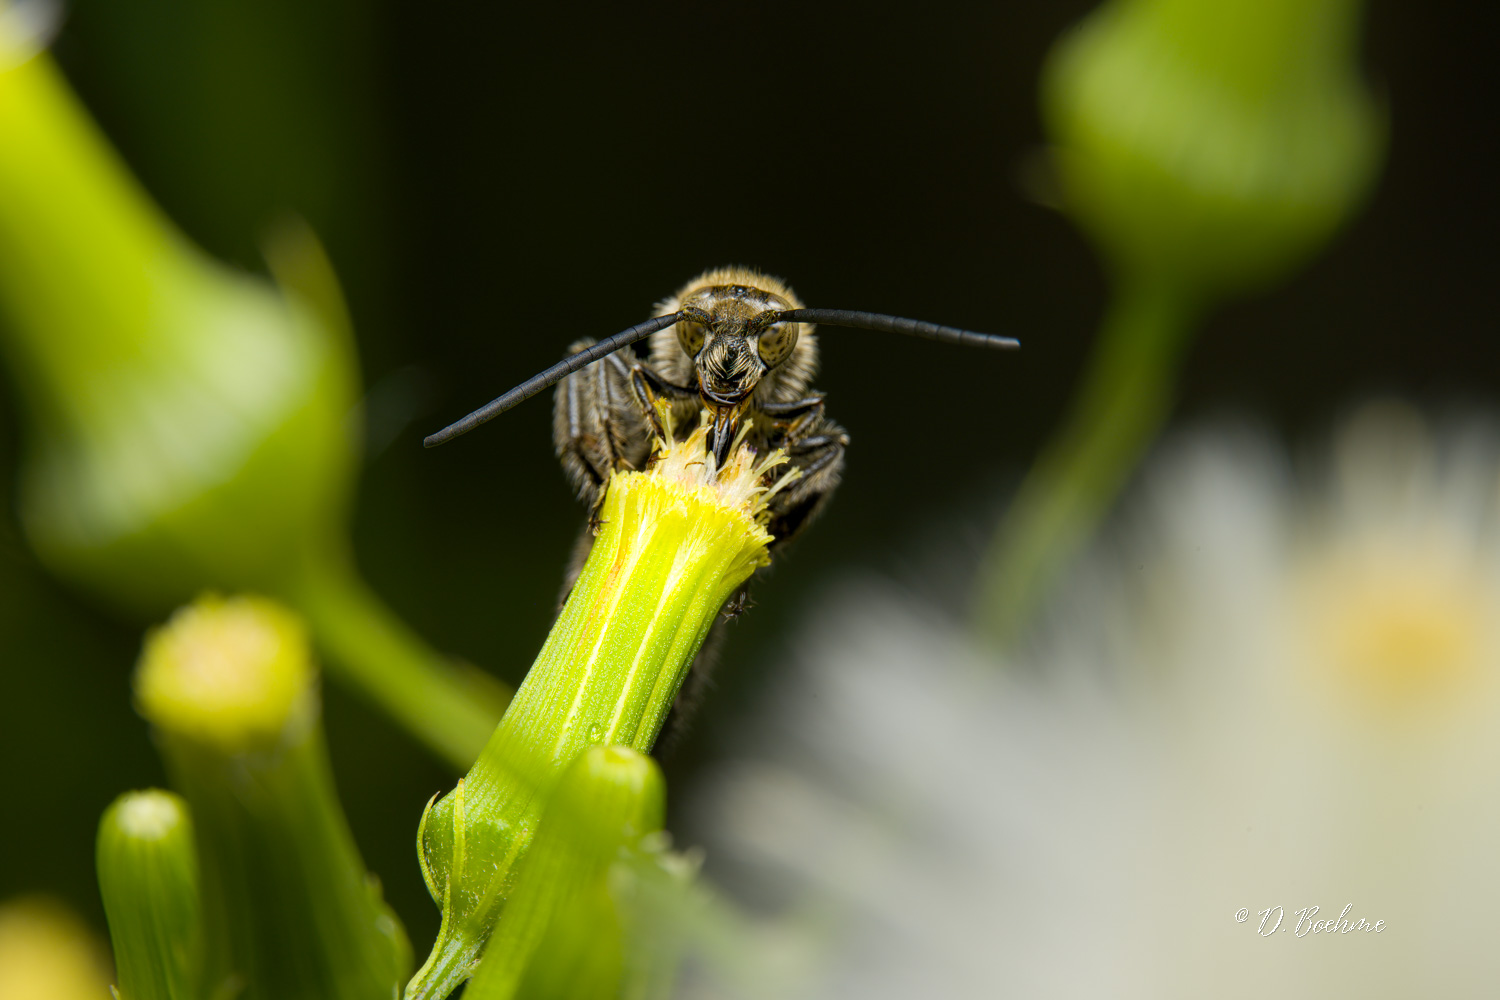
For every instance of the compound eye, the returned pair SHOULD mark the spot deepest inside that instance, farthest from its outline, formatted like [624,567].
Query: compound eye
[690,335]
[776,343]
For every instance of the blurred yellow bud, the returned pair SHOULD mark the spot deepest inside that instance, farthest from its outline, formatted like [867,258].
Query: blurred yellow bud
[47,954]
[187,425]
[1213,145]
[230,673]
[289,912]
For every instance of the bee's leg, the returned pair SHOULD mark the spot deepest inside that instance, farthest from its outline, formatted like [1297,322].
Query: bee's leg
[815,445]
[596,425]
[648,386]
[820,458]
[785,414]
[596,429]
[795,421]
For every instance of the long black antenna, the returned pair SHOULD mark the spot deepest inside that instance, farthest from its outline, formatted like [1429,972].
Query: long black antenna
[828,317]
[552,376]
[895,324]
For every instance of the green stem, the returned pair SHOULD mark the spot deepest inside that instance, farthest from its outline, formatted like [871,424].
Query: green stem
[289,912]
[450,706]
[1125,397]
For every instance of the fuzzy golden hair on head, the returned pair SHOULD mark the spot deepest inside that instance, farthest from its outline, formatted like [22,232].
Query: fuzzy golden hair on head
[784,381]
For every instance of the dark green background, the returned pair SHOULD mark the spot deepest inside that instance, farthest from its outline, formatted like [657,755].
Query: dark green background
[495,180]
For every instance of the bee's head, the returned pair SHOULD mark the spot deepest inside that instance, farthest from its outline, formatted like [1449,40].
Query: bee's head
[730,333]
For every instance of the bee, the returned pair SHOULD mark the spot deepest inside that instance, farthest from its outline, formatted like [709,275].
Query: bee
[736,345]
[732,343]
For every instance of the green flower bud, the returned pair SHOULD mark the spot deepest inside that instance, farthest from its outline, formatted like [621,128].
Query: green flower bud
[289,911]
[186,423]
[1212,146]
[675,543]
[148,878]
[561,935]
[188,426]
[1208,148]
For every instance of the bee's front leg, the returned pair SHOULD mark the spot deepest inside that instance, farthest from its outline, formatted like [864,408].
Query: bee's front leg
[648,387]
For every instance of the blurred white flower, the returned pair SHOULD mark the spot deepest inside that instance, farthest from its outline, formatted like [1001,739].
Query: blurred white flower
[1264,690]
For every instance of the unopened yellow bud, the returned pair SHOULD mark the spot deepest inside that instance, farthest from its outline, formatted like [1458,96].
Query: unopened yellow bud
[227,672]
[289,912]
